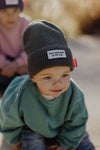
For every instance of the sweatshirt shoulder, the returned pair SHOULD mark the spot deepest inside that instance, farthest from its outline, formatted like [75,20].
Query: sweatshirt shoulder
[24,22]
[25,19]
[76,90]
[17,84]
[11,96]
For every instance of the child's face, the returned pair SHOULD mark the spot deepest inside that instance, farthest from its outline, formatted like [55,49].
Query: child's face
[9,17]
[53,81]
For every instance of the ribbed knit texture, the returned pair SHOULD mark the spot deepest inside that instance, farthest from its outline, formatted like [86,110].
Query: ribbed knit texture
[42,40]
[11,4]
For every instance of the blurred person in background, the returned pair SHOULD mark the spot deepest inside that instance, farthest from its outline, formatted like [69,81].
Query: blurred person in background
[12,57]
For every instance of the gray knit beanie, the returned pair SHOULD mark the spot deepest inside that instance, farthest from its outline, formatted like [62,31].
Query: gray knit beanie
[11,4]
[46,47]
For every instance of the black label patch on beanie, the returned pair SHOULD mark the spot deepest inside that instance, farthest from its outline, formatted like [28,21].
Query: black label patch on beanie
[53,54]
[11,2]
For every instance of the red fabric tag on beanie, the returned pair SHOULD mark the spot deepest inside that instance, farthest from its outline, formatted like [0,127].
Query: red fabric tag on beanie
[75,62]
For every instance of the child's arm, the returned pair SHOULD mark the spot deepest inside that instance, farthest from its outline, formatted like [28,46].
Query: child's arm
[9,69]
[3,60]
[10,118]
[74,127]
[21,63]
[6,67]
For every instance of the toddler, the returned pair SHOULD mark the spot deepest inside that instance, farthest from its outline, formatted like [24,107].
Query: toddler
[45,110]
[12,56]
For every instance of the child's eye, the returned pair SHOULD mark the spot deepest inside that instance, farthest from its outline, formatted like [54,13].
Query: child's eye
[47,78]
[65,75]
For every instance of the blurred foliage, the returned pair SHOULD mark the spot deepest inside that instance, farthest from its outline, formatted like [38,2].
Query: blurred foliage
[75,17]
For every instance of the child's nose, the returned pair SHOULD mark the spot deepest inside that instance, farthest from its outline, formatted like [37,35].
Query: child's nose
[11,15]
[57,82]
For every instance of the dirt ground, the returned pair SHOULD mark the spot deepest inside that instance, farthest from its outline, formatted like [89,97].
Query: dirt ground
[87,51]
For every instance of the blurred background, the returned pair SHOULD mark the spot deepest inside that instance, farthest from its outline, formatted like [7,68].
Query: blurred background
[75,17]
[80,21]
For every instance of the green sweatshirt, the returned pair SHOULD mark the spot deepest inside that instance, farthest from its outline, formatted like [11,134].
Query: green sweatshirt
[23,104]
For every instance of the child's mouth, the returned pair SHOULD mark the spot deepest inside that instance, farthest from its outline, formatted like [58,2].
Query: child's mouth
[56,91]
[11,22]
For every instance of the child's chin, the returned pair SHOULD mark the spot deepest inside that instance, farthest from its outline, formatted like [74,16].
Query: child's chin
[56,95]
[10,26]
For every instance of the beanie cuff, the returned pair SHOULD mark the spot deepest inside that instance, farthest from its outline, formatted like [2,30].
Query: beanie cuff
[13,4]
[46,46]
[39,60]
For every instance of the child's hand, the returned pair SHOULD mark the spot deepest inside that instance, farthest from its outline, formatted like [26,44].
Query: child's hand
[22,70]
[9,70]
[17,146]
[56,148]
[59,148]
